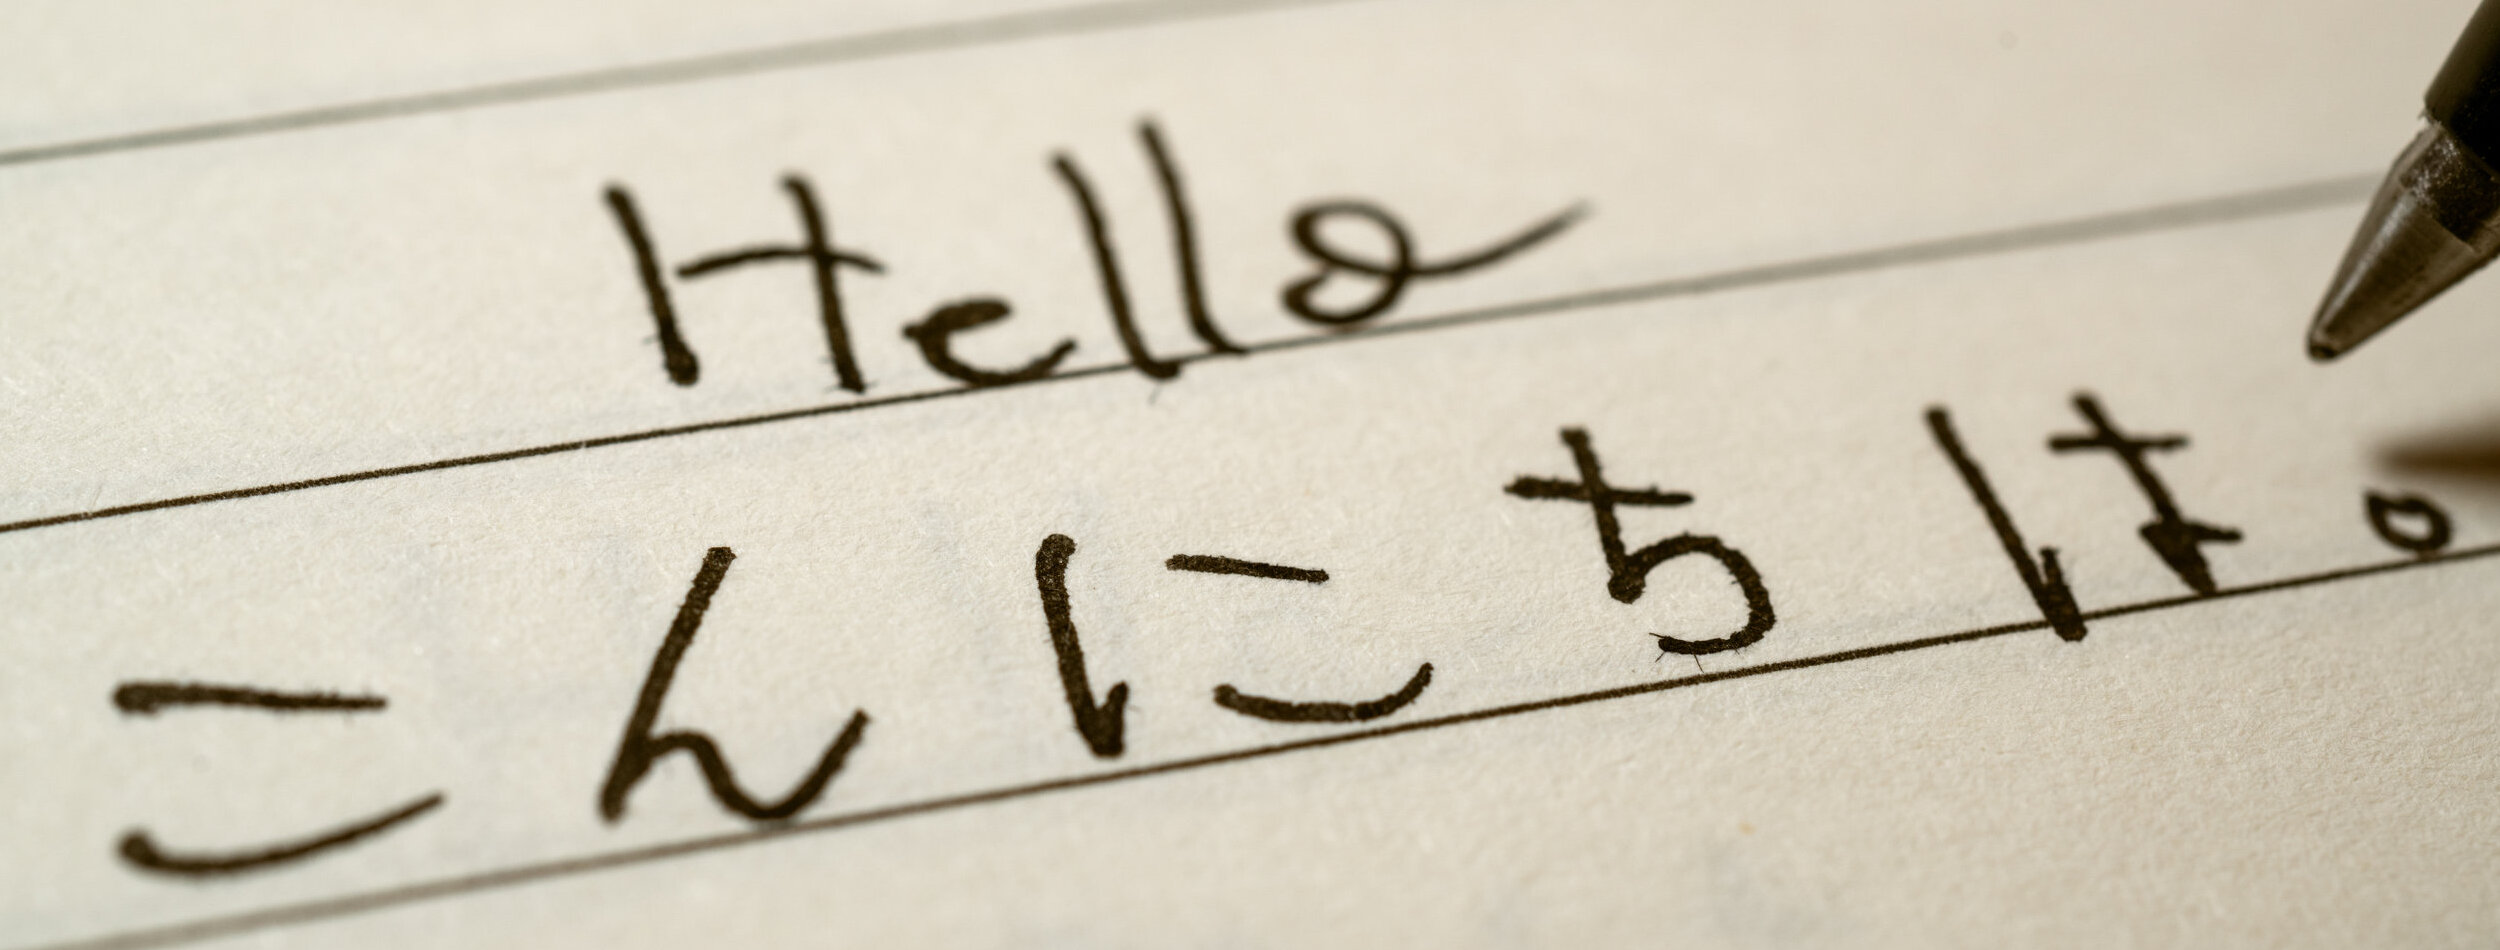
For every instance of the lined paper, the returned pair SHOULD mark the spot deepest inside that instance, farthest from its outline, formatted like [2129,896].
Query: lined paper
[1231,473]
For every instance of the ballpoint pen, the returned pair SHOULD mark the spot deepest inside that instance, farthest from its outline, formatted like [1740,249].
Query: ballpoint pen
[2436,218]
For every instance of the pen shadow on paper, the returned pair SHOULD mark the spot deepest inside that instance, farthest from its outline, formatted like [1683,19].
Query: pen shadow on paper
[2463,454]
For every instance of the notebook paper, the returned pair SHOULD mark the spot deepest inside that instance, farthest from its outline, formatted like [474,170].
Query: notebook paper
[1359,473]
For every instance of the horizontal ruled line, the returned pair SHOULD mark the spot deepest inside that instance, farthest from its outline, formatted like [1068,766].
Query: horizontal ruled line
[284,915]
[2132,222]
[883,44]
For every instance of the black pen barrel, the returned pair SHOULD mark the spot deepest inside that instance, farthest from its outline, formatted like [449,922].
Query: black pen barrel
[2466,96]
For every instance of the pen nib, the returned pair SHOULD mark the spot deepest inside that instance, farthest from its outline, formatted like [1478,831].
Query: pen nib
[2431,224]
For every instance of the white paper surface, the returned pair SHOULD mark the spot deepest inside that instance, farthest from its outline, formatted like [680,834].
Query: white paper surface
[1805,226]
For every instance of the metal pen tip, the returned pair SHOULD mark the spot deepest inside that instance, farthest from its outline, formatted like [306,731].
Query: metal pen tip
[2431,224]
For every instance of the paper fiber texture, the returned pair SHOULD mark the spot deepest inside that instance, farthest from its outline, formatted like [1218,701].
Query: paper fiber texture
[1465,474]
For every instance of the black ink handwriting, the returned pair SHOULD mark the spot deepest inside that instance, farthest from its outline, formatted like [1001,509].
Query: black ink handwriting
[636,752]
[1100,725]
[145,698]
[1628,571]
[1213,564]
[2176,539]
[2045,580]
[2385,509]
[141,851]
[1277,710]
[1393,274]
